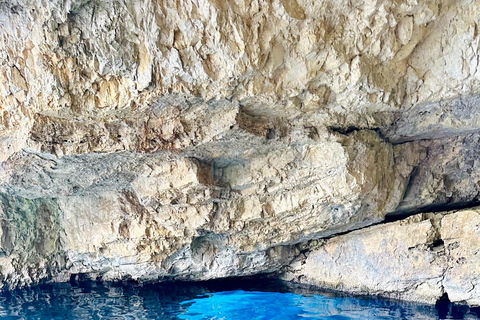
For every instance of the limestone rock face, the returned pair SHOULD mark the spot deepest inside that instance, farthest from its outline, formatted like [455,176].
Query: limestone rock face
[82,62]
[201,139]
[434,120]
[214,210]
[443,173]
[419,259]
[391,260]
[460,233]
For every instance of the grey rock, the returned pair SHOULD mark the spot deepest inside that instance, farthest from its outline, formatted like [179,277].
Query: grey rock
[436,120]
[418,259]
[446,175]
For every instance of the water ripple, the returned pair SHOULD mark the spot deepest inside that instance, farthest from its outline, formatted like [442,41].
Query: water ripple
[211,300]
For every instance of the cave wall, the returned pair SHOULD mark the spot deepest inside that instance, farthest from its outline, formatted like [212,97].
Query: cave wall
[192,140]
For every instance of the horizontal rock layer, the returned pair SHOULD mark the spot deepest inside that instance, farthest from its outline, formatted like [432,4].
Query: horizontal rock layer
[233,206]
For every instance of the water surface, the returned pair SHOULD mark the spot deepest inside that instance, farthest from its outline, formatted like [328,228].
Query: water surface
[237,299]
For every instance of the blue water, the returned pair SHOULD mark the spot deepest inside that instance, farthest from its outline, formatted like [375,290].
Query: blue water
[244,299]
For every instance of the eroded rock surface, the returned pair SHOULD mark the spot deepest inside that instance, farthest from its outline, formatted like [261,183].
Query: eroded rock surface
[344,61]
[460,233]
[203,139]
[392,260]
[443,173]
[420,259]
[230,207]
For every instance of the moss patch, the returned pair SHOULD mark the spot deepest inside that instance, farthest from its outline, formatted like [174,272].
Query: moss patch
[30,226]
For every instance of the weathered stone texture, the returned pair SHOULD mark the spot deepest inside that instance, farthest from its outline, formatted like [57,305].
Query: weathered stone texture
[461,235]
[346,61]
[419,259]
[199,139]
[443,173]
[233,206]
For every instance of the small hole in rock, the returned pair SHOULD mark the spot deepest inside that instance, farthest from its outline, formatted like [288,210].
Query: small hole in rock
[270,133]
[437,243]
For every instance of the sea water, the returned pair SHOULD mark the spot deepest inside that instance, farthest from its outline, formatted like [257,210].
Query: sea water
[237,299]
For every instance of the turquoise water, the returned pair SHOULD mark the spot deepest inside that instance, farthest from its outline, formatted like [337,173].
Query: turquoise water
[245,299]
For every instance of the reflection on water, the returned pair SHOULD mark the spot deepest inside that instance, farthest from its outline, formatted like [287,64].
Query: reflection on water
[241,304]
[245,299]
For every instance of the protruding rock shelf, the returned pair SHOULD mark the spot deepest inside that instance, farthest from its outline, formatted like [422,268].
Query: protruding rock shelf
[230,207]
[200,139]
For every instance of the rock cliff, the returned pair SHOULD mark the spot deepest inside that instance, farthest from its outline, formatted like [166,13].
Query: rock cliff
[201,139]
